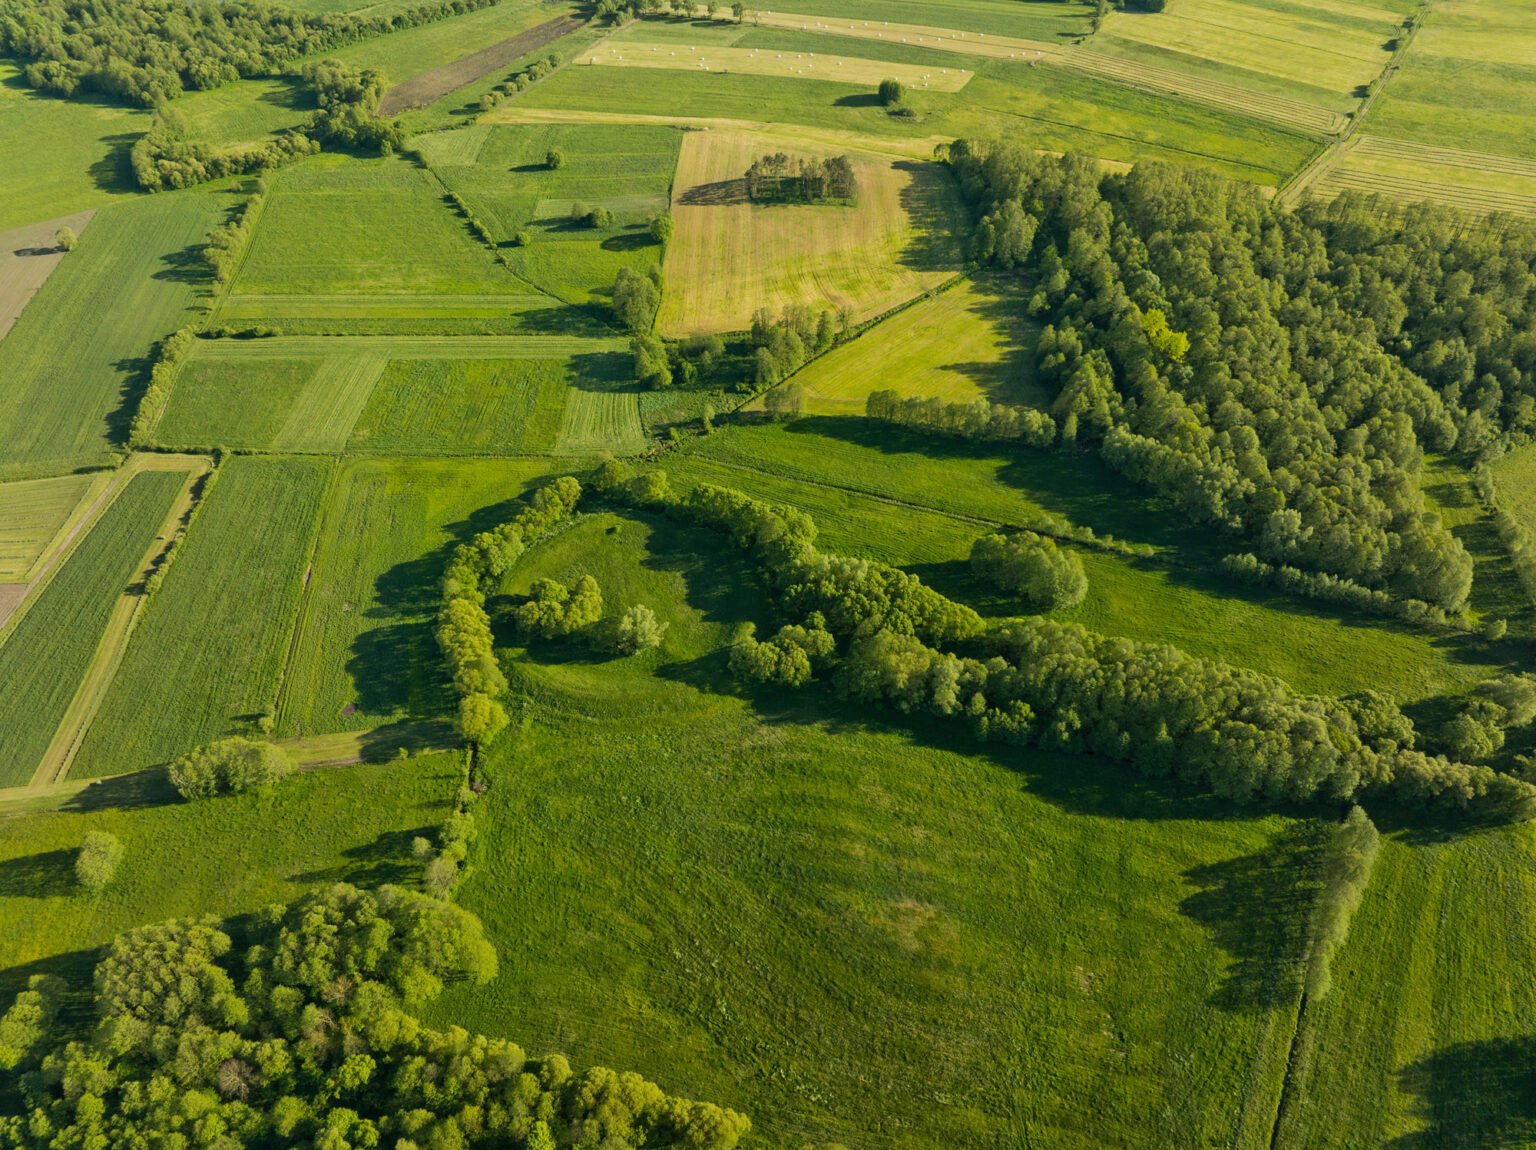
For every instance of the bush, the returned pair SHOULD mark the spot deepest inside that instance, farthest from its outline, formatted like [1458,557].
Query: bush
[97,862]
[554,158]
[638,630]
[661,229]
[229,766]
[65,239]
[891,92]
[1032,567]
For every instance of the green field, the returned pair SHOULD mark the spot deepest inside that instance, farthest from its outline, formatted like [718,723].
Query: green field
[598,421]
[1496,589]
[73,366]
[1515,474]
[245,112]
[209,653]
[464,407]
[902,944]
[365,635]
[503,177]
[31,515]
[401,55]
[85,162]
[263,848]
[44,655]
[232,403]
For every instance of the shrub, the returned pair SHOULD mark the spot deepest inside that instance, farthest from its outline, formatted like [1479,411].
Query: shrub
[638,630]
[554,158]
[97,862]
[1032,567]
[65,239]
[229,766]
[891,92]
[662,228]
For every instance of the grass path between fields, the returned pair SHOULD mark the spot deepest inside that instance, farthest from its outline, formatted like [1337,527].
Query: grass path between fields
[98,677]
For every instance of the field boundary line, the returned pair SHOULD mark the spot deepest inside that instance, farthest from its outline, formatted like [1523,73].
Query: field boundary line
[399,99]
[113,645]
[301,615]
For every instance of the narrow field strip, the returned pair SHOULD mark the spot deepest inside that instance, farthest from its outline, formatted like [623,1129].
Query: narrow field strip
[1445,157]
[46,655]
[419,91]
[600,421]
[1398,187]
[322,417]
[28,256]
[766,62]
[1474,181]
[32,514]
[406,306]
[405,347]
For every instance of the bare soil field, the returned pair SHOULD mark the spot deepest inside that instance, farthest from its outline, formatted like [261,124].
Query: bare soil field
[419,91]
[28,256]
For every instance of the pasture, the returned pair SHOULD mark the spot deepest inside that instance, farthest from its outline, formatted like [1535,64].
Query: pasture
[1472,181]
[831,920]
[46,651]
[364,653]
[600,421]
[413,51]
[33,513]
[731,257]
[208,656]
[963,344]
[244,112]
[1515,473]
[464,407]
[72,368]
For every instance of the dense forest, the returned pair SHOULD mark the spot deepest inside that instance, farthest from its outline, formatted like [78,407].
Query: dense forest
[1279,374]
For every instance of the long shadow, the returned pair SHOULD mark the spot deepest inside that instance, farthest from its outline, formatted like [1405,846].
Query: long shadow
[47,875]
[188,266]
[135,382]
[1474,1095]
[931,201]
[633,241]
[150,788]
[719,194]
[387,859]
[1256,909]
[113,172]
[858,100]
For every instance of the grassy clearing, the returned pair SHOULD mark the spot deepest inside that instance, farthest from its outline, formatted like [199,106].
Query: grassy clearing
[244,112]
[365,654]
[596,421]
[232,403]
[1516,476]
[32,514]
[835,67]
[1472,181]
[335,225]
[28,256]
[963,344]
[464,407]
[84,163]
[731,257]
[210,651]
[511,189]
[1308,645]
[1496,589]
[47,651]
[711,897]
[429,87]
[226,856]
[72,367]
[1425,1039]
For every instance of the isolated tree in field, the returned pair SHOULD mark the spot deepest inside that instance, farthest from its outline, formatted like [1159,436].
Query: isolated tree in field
[711,8]
[662,228]
[229,766]
[554,158]
[786,402]
[65,239]
[97,862]
[739,10]
[891,92]
[638,630]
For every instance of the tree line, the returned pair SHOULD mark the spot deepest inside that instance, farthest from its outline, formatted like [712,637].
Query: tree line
[1261,368]
[780,178]
[1059,687]
[304,1034]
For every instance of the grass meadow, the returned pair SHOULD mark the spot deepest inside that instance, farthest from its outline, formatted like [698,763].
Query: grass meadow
[1515,474]
[32,513]
[365,653]
[72,368]
[903,944]
[244,112]
[1496,589]
[731,257]
[502,175]
[597,421]
[1472,181]
[208,656]
[45,652]
[401,55]
[464,407]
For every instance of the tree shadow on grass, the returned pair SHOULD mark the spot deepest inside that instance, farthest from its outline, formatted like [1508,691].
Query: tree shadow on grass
[150,788]
[931,201]
[387,859]
[717,194]
[113,172]
[50,874]
[1473,1095]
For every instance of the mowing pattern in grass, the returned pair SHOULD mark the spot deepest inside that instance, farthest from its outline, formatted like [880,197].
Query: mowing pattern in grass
[731,257]
[337,226]
[407,347]
[83,339]
[366,654]
[835,68]
[1425,1039]
[509,187]
[966,343]
[781,926]
[1471,181]
[31,514]
[322,417]
[45,654]
[227,856]
[464,407]
[211,647]
[408,313]
[595,421]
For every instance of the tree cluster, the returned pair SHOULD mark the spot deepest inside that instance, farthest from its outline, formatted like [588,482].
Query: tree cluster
[168,357]
[1032,567]
[1347,859]
[553,610]
[789,659]
[515,83]
[1225,352]
[165,158]
[464,628]
[229,766]
[636,298]
[785,179]
[225,243]
[1477,731]
[28,1022]
[348,100]
[977,419]
[150,51]
[1249,568]
[784,342]
[304,1036]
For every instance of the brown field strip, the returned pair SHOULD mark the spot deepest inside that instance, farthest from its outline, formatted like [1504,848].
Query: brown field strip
[28,256]
[730,256]
[830,67]
[429,87]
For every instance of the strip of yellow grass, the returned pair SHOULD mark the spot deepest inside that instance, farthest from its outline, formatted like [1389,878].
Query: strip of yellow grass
[33,514]
[730,257]
[1473,181]
[925,35]
[966,343]
[766,62]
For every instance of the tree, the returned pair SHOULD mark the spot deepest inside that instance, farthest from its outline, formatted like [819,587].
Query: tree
[554,158]
[29,1020]
[652,366]
[891,92]
[1033,567]
[739,10]
[65,239]
[97,862]
[661,229]
[636,298]
[638,630]
[785,402]
[229,766]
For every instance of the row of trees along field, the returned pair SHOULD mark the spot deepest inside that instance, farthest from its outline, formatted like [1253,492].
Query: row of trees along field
[1035,682]
[782,178]
[303,1035]
[150,51]
[1277,373]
